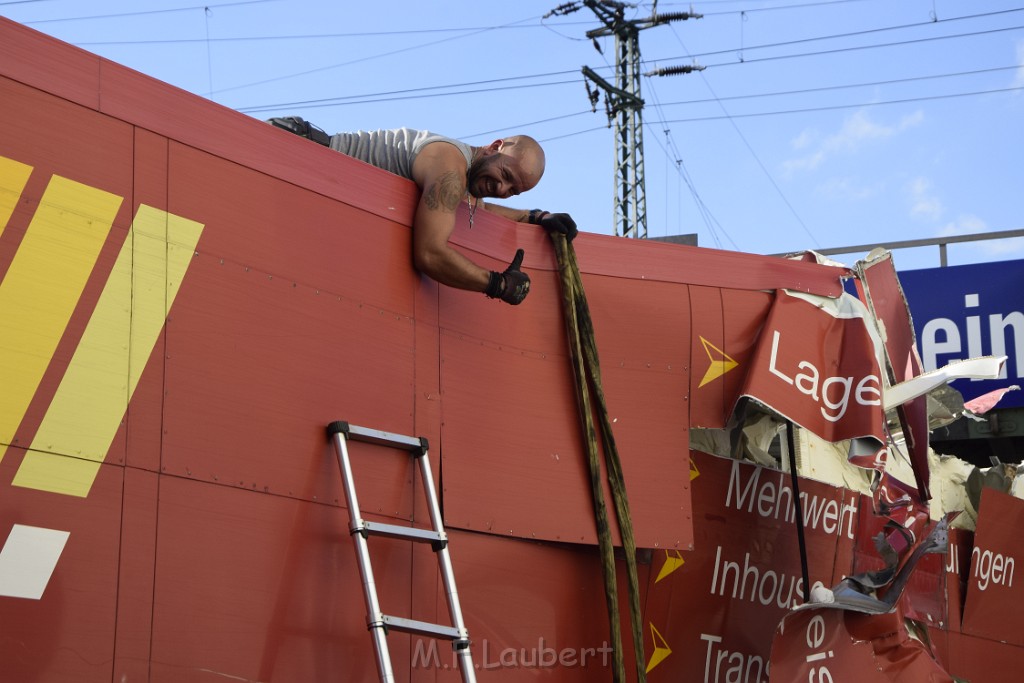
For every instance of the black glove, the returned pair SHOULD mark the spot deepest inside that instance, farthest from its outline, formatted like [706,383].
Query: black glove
[554,222]
[512,285]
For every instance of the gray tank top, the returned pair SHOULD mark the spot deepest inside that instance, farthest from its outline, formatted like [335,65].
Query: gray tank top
[393,150]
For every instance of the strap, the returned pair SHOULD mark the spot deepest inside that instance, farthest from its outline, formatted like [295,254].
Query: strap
[587,371]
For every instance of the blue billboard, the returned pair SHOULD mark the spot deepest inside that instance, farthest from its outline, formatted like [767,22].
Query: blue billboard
[968,311]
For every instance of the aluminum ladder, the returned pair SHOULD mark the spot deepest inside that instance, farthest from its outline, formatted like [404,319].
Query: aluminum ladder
[377,622]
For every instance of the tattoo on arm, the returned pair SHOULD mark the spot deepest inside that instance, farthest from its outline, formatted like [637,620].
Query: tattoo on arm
[445,193]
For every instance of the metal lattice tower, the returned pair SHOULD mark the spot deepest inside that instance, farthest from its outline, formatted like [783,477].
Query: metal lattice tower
[624,106]
[630,185]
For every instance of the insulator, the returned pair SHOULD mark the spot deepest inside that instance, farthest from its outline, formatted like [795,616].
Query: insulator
[674,16]
[675,70]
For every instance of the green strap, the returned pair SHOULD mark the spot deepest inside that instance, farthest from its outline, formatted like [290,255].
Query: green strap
[587,372]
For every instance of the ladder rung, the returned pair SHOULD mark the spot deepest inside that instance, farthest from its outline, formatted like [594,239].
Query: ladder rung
[424,628]
[377,436]
[379,624]
[435,538]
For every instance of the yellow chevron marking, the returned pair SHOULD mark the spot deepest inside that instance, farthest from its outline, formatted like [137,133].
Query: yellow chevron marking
[694,472]
[91,401]
[672,563]
[718,367]
[43,286]
[661,649]
[13,176]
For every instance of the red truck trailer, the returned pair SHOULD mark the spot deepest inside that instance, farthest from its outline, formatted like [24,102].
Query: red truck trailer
[189,297]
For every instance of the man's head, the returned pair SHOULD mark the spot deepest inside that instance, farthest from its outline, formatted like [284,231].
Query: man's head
[506,167]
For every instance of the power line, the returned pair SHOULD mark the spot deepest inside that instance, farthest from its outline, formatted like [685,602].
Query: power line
[368,57]
[315,36]
[862,47]
[821,3]
[120,15]
[907,100]
[672,153]
[406,94]
[750,148]
[860,105]
[851,34]
[562,73]
[867,84]
[517,25]
[526,125]
[550,138]
[696,119]
[429,91]
[730,118]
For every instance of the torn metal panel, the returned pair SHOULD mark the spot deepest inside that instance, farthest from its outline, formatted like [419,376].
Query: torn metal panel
[985,367]
[880,288]
[986,402]
[828,462]
[833,645]
[818,365]
[995,590]
[949,489]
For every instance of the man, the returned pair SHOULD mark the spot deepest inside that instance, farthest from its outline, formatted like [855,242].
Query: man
[447,171]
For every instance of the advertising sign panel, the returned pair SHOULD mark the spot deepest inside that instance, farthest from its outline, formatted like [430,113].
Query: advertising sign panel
[968,311]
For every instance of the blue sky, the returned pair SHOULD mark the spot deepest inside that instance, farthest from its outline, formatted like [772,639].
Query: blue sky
[815,123]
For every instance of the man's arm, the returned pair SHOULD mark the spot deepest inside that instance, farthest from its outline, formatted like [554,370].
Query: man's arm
[552,222]
[440,171]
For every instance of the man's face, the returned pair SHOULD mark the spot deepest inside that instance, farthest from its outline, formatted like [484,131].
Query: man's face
[497,175]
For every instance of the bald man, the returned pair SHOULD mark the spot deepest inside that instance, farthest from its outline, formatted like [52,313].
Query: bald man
[448,171]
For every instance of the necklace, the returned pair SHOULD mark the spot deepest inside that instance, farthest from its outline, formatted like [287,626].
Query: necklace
[472,208]
[469,197]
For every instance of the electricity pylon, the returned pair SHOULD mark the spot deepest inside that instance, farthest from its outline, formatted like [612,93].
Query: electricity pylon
[623,104]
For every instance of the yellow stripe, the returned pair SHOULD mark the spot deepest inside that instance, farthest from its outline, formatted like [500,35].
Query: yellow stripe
[43,286]
[13,176]
[91,401]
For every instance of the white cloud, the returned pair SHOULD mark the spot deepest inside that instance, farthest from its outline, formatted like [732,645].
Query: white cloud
[805,139]
[910,120]
[968,224]
[856,131]
[807,163]
[923,204]
[847,189]
[1004,247]
[965,224]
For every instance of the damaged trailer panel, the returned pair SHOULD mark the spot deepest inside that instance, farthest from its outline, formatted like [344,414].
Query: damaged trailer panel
[189,299]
